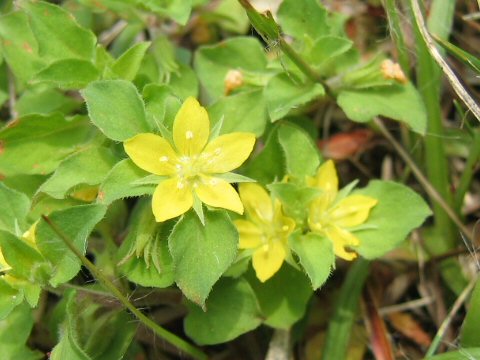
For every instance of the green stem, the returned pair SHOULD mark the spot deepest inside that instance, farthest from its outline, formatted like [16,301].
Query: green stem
[345,313]
[161,332]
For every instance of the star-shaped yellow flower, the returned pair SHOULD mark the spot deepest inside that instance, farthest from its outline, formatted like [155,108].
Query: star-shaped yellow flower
[266,230]
[192,164]
[334,217]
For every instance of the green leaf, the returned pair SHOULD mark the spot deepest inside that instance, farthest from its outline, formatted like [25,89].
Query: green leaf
[10,298]
[184,82]
[269,165]
[245,111]
[283,93]
[116,108]
[231,310]
[263,23]
[69,346]
[36,144]
[398,102]
[14,333]
[201,254]
[295,199]
[58,34]
[14,207]
[44,101]
[213,62]
[143,257]
[19,45]
[161,105]
[461,354]
[178,10]
[127,65]
[469,335]
[301,154]
[386,229]
[76,223]
[68,74]
[303,18]
[88,167]
[328,52]
[121,182]
[464,56]
[316,255]
[26,262]
[283,298]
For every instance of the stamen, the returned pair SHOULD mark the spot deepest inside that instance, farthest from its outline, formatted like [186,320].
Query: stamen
[285,227]
[163,158]
[213,182]
[217,151]
[189,135]
[180,185]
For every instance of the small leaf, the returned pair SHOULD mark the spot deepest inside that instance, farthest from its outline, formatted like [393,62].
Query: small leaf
[127,65]
[58,34]
[303,18]
[301,154]
[213,62]
[231,310]
[36,144]
[386,229]
[26,262]
[10,298]
[284,94]
[68,74]
[245,111]
[76,223]
[14,207]
[283,298]
[15,331]
[398,102]
[116,108]
[201,254]
[121,182]
[316,256]
[88,167]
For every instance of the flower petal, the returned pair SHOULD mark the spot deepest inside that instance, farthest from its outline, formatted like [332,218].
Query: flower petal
[250,234]
[191,128]
[352,211]
[227,152]
[170,200]
[218,193]
[268,259]
[341,239]
[326,179]
[257,202]
[152,153]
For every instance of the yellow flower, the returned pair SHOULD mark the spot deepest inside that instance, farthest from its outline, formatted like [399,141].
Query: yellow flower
[266,231]
[192,164]
[334,217]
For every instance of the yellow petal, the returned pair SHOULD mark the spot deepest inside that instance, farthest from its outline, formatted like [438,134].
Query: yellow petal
[352,211]
[191,128]
[326,179]
[218,193]
[227,152]
[257,203]
[318,211]
[268,259]
[171,199]
[250,234]
[151,153]
[341,239]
